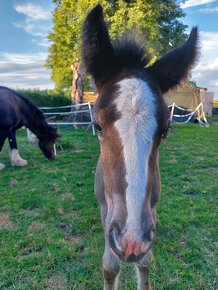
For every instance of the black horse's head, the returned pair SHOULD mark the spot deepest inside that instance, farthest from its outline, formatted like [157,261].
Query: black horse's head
[47,143]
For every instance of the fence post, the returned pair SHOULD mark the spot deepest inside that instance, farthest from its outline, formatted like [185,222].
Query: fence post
[91,117]
[172,111]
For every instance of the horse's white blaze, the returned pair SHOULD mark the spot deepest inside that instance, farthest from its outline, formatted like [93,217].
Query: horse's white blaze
[55,152]
[136,129]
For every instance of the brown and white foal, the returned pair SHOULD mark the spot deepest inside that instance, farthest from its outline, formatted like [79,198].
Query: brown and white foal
[131,118]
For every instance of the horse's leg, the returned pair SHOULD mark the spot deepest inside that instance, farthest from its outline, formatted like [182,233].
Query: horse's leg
[16,160]
[111,268]
[2,166]
[110,263]
[142,270]
[3,136]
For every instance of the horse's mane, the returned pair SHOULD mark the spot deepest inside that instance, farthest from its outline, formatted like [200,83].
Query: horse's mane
[130,52]
[39,122]
[103,59]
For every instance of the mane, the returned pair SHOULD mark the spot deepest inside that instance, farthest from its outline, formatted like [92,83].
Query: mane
[130,52]
[38,122]
[103,59]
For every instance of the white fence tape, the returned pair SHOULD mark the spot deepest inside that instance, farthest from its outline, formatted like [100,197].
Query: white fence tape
[198,113]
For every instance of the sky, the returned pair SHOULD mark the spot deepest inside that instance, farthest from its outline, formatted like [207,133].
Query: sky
[24,25]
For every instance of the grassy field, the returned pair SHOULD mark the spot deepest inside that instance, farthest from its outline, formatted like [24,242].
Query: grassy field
[50,232]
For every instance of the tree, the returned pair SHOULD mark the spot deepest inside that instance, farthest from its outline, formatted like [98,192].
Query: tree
[65,37]
[155,20]
[170,28]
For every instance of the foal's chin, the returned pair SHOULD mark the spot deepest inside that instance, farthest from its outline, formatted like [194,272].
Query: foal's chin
[130,259]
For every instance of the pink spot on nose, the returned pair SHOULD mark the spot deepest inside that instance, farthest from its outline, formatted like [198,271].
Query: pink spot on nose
[133,247]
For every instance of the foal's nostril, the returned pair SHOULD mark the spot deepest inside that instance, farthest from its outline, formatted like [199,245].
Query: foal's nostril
[114,234]
[149,235]
[152,234]
[115,237]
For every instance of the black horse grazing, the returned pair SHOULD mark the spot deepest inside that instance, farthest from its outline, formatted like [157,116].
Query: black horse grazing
[17,111]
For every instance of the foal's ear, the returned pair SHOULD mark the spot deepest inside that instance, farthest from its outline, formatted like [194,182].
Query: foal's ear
[175,66]
[98,52]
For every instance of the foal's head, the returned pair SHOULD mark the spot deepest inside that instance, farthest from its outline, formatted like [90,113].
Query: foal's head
[131,118]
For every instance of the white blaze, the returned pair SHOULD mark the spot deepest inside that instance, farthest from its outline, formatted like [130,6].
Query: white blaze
[136,129]
[55,152]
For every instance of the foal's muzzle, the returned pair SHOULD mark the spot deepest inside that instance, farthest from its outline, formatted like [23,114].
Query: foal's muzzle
[127,247]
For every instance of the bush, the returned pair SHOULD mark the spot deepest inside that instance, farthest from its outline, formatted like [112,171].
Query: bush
[45,98]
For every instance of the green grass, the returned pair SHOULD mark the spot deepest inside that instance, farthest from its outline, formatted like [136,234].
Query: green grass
[50,231]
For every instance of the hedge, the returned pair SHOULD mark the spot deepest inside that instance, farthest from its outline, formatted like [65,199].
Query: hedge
[45,98]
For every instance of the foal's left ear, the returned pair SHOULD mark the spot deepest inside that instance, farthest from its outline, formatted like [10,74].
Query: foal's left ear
[175,66]
[97,50]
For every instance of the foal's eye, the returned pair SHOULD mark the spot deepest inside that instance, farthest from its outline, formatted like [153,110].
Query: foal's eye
[98,128]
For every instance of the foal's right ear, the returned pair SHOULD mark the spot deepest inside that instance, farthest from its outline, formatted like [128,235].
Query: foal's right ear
[97,50]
